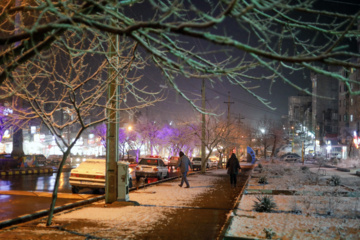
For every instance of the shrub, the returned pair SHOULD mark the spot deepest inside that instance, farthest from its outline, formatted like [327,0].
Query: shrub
[305,168]
[269,233]
[335,180]
[264,204]
[263,180]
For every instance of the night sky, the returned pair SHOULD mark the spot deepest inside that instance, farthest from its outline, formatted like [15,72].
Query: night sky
[244,106]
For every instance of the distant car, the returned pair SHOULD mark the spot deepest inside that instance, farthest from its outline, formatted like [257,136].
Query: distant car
[335,156]
[291,158]
[150,167]
[173,161]
[90,174]
[196,162]
[289,154]
[213,161]
[53,159]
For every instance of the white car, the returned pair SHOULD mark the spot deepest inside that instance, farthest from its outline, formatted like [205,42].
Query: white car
[151,168]
[291,158]
[196,163]
[90,174]
[213,161]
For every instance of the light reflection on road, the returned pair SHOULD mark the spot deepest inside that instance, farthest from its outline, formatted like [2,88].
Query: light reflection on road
[42,183]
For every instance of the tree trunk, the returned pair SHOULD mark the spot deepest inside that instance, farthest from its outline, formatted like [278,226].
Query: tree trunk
[274,147]
[55,191]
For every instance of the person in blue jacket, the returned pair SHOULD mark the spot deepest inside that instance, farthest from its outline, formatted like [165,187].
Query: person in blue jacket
[184,164]
[233,167]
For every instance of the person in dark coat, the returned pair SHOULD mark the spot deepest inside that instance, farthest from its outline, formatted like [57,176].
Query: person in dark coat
[233,167]
[184,164]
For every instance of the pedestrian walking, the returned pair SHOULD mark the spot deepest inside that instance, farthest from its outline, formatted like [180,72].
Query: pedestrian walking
[233,167]
[184,164]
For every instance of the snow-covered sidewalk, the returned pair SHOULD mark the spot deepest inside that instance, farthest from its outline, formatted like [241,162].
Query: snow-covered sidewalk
[164,208]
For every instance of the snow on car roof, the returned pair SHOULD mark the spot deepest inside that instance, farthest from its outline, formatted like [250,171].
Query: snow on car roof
[92,165]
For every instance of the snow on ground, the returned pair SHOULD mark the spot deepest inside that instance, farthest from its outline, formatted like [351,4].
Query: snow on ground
[166,197]
[317,210]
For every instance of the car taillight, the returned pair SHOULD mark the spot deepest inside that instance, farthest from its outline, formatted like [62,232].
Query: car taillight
[99,177]
[138,168]
[74,175]
[156,169]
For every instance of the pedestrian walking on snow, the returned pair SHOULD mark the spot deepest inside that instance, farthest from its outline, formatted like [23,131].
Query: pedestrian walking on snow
[233,167]
[184,164]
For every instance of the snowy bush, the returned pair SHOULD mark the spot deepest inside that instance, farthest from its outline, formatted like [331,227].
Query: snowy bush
[264,204]
[263,180]
[335,180]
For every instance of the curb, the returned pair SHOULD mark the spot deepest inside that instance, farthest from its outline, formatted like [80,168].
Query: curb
[228,221]
[24,171]
[343,169]
[42,213]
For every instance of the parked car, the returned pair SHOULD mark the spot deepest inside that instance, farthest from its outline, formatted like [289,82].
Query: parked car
[196,162]
[213,161]
[291,158]
[289,154]
[53,160]
[173,161]
[90,174]
[151,167]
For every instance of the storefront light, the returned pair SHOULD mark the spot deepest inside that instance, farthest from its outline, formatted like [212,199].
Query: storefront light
[6,134]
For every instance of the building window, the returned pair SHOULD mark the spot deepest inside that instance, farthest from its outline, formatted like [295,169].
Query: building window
[339,103]
[351,101]
[345,118]
[335,116]
[351,118]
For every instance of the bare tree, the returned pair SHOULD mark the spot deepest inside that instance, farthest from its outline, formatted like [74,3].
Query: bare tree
[278,39]
[179,138]
[280,36]
[66,83]
[219,134]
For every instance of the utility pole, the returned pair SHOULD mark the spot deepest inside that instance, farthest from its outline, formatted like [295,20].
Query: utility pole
[228,103]
[203,106]
[228,115]
[112,130]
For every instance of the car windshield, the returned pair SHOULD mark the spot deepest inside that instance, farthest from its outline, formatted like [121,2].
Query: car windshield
[149,162]
[196,159]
